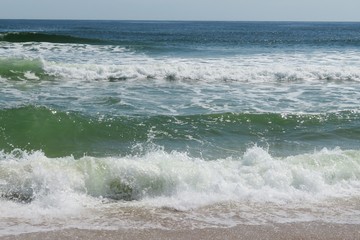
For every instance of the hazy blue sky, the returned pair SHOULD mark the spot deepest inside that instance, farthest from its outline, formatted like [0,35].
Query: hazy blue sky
[305,10]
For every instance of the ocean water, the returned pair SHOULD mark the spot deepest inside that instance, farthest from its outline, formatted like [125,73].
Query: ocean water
[173,125]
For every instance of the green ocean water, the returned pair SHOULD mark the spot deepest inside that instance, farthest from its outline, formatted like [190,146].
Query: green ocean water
[212,135]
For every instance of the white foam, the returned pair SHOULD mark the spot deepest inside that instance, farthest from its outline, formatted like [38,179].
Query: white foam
[212,71]
[31,76]
[256,176]
[258,187]
[91,62]
[236,83]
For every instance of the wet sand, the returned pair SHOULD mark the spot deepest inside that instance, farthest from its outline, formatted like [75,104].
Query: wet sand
[309,230]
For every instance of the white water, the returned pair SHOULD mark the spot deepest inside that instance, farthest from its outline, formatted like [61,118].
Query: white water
[314,81]
[90,62]
[256,188]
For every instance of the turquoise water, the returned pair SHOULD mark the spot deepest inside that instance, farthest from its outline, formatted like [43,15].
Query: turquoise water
[98,117]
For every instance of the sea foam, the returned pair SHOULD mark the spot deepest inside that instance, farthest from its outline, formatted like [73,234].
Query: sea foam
[115,63]
[256,176]
[173,190]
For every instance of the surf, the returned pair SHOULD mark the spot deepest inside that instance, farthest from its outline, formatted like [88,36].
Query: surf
[255,176]
[58,193]
[180,125]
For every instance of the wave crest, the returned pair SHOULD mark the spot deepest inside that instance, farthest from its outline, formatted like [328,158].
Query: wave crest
[194,72]
[22,69]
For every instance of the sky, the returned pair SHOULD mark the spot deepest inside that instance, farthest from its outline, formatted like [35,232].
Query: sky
[228,10]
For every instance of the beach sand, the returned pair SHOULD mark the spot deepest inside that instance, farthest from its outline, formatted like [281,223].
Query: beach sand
[308,230]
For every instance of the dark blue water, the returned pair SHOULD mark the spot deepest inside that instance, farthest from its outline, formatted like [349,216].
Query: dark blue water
[203,38]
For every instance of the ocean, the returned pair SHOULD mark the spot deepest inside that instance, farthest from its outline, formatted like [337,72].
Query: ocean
[113,125]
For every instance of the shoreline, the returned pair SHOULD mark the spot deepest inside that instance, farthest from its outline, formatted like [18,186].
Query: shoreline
[304,230]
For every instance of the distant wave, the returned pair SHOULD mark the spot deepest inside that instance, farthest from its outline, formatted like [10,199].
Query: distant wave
[194,71]
[191,71]
[44,37]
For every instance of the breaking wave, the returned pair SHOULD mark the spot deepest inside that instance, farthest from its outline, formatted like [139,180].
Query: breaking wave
[255,176]
[170,70]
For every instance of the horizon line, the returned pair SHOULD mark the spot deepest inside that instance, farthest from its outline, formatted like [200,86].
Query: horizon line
[174,20]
